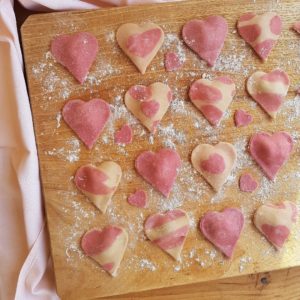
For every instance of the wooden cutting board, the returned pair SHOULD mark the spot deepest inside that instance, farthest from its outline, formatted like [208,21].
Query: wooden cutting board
[70,214]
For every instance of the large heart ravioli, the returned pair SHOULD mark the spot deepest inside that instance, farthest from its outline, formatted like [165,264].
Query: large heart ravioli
[76,52]
[206,37]
[275,221]
[214,163]
[86,118]
[159,169]
[149,103]
[168,231]
[106,246]
[223,229]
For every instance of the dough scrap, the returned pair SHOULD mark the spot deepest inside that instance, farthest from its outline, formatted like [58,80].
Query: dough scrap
[124,135]
[296,26]
[138,199]
[172,62]
[247,183]
[242,118]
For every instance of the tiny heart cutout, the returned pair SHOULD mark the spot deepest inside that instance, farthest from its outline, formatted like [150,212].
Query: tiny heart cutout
[149,104]
[168,231]
[86,118]
[275,221]
[124,135]
[269,89]
[242,118]
[99,183]
[76,52]
[106,246]
[159,169]
[206,37]
[138,199]
[223,229]
[214,163]
[271,152]
[260,31]
[172,61]
[212,97]
[140,42]
[247,183]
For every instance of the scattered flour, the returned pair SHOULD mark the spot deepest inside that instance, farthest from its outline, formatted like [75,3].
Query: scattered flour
[70,152]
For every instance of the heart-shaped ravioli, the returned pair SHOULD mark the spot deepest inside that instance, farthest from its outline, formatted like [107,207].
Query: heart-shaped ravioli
[149,103]
[86,118]
[223,229]
[206,37]
[269,89]
[168,231]
[140,42]
[159,169]
[260,31]
[76,52]
[99,183]
[271,152]
[212,97]
[275,221]
[106,246]
[214,163]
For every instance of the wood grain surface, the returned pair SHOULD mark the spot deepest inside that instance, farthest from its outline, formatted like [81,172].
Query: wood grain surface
[70,214]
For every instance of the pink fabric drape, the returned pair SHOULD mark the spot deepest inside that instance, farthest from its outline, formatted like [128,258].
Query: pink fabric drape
[25,264]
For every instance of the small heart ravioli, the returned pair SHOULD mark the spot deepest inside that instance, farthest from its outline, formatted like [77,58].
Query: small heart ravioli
[99,183]
[140,42]
[214,163]
[106,246]
[168,231]
[275,221]
[149,104]
[76,52]
[212,97]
